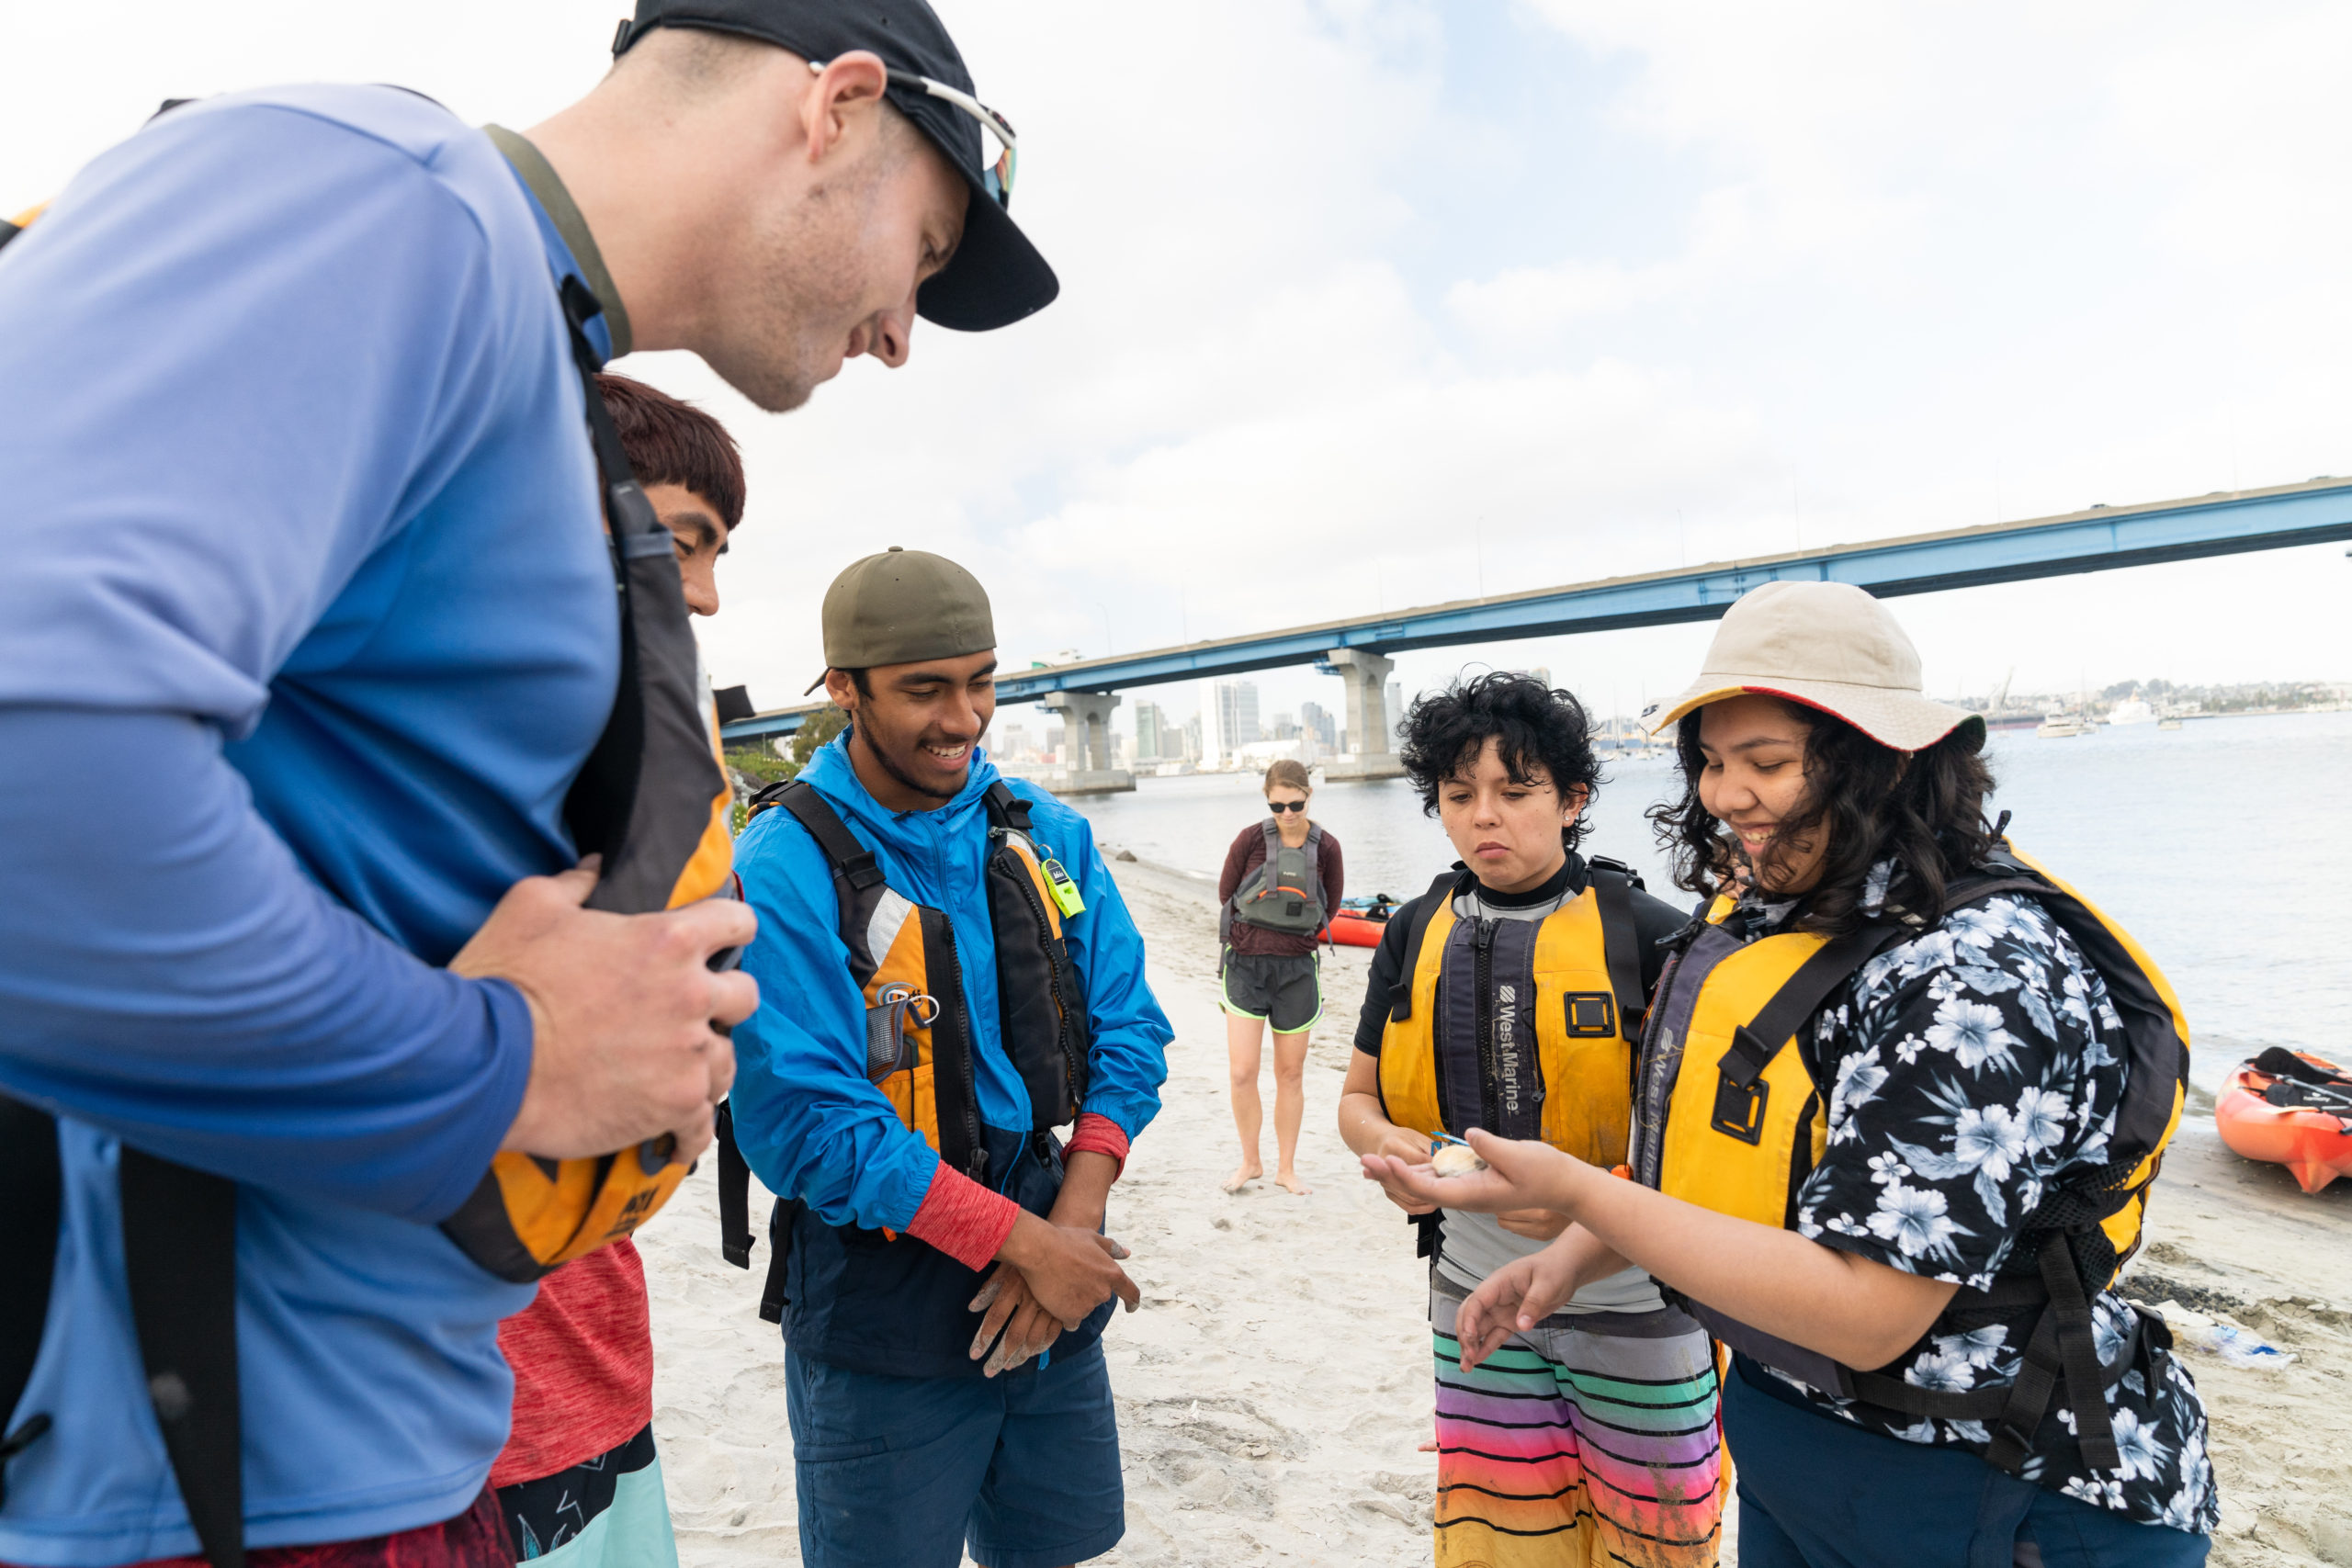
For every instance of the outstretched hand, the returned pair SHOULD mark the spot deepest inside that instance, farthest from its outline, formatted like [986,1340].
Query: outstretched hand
[1519,1175]
[1514,1299]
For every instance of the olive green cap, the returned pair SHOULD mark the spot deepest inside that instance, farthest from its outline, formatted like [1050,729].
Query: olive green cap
[903,606]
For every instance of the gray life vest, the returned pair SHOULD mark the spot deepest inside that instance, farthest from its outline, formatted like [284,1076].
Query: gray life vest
[1286,894]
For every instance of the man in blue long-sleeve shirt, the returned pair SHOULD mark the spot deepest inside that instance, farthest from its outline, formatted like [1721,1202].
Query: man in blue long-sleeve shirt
[948,974]
[306,627]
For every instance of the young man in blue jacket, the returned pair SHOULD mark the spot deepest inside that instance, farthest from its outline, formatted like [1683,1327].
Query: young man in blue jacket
[950,975]
[309,624]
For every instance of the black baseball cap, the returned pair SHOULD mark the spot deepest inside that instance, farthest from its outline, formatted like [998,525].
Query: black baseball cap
[996,277]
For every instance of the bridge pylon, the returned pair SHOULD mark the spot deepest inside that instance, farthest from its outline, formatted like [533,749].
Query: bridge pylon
[1086,736]
[1364,675]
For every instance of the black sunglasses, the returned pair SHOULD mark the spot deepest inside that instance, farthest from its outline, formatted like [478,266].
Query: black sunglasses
[1279,806]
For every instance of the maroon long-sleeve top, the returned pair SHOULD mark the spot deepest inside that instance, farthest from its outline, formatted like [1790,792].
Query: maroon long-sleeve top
[1247,854]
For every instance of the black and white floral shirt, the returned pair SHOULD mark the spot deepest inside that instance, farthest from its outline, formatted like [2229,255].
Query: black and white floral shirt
[1968,1069]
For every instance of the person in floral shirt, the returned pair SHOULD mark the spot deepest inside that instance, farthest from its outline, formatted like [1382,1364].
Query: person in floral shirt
[1972,1075]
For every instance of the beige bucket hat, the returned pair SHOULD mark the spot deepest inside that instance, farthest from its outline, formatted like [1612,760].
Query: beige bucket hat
[1829,646]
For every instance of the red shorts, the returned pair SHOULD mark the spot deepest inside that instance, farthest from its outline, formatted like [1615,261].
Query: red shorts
[475,1538]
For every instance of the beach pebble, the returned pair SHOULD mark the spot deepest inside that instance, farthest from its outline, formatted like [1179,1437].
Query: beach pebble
[1456,1159]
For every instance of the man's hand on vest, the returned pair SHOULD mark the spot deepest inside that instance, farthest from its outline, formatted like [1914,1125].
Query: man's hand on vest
[623,1046]
[1069,1270]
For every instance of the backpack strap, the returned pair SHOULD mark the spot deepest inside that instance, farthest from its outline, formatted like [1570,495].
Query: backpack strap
[1448,883]
[179,1246]
[28,1222]
[1613,884]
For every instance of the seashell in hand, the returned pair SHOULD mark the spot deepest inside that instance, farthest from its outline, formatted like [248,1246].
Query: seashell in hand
[1456,1159]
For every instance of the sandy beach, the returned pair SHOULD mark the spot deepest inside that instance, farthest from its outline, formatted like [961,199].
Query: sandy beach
[1274,1388]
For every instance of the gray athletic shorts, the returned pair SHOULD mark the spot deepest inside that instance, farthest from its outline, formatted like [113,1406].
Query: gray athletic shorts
[1286,991]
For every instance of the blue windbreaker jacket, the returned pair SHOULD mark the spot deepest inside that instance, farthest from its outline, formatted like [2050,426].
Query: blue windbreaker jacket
[808,1122]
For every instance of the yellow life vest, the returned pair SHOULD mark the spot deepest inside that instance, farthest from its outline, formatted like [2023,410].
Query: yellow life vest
[1521,1027]
[1731,1115]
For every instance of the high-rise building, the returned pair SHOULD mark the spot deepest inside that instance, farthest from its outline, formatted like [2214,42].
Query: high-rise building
[1228,719]
[1151,729]
[1285,727]
[1194,750]
[1317,721]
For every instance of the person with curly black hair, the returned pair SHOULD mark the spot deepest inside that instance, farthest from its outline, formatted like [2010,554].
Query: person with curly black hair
[1899,1104]
[1507,998]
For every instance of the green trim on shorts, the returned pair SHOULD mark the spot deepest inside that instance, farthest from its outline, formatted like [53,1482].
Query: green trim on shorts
[1226,1003]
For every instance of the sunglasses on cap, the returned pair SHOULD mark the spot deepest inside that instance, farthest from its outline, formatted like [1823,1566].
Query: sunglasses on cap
[1279,806]
[997,179]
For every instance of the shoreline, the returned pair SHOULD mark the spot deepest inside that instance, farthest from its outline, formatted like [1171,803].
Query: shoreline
[1274,1388]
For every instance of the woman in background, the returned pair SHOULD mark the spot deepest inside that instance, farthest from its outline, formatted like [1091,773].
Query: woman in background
[1281,880]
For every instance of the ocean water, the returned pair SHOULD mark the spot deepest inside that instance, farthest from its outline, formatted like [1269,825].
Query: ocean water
[2225,847]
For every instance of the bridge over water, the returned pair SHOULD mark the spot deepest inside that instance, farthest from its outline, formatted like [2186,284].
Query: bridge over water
[1357,649]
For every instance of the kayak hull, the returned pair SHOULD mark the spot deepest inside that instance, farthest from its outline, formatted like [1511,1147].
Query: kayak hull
[2314,1145]
[1354,931]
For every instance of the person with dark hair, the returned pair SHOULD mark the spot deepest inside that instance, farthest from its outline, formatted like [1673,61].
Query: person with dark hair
[952,978]
[690,470]
[1901,1100]
[579,1482]
[1282,880]
[1507,998]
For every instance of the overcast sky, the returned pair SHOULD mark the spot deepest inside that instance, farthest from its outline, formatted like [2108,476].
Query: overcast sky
[1372,303]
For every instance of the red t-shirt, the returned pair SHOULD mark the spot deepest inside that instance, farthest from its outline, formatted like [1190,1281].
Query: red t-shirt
[1247,854]
[582,1355]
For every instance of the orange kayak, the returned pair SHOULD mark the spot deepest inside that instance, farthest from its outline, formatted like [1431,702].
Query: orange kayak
[1351,929]
[2293,1109]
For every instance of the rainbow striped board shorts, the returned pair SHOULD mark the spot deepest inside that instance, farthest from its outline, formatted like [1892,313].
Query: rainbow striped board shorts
[1570,1445]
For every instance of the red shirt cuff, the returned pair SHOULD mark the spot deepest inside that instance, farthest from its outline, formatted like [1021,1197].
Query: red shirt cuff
[1101,1135]
[962,1219]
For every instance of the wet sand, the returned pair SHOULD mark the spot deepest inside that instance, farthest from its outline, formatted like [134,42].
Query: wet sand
[1274,1389]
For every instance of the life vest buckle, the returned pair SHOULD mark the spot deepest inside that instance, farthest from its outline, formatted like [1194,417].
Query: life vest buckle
[1592,1015]
[1739,1109]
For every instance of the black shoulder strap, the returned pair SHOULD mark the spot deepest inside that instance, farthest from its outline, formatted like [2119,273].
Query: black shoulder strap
[852,864]
[179,1246]
[734,1193]
[1740,1095]
[1442,891]
[8,231]
[1005,809]
[1614,883]
[30,1174]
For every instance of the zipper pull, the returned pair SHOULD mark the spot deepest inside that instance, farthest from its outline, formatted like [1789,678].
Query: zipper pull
[1482,935]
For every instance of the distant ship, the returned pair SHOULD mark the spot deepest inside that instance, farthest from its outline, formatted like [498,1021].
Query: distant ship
[2131,710]
[2167,724]
[2058,726]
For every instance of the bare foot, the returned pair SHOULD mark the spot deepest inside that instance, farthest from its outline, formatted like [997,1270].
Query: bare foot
[1243,1175]
[1289,1179]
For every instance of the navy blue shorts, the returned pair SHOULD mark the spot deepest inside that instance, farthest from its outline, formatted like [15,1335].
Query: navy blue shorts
[905,1472]
[1817,1492]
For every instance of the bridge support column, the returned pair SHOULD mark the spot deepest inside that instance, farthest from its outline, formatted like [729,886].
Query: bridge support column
[1085,738]
[1365,708]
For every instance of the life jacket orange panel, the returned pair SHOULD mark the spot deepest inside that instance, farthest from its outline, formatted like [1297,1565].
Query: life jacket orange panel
[902,956]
